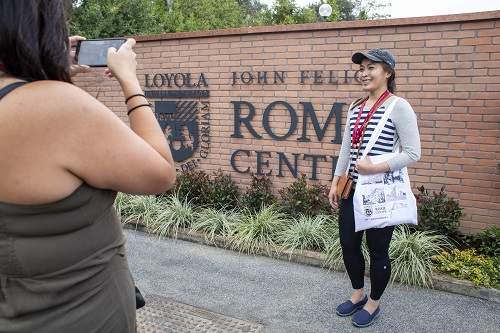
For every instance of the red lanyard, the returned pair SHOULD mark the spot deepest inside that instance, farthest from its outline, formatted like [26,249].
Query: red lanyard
[358,131]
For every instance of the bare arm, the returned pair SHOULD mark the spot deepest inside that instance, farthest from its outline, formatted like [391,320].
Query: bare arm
[132,160]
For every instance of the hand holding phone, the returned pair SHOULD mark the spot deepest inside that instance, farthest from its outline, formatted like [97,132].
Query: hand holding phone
[122,63]
[94,52]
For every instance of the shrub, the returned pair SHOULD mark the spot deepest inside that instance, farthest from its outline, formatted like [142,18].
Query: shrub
[411,255]
[216,222]
[190,185]
[300,198]
[309,233]
[258,194]
[467,264]
[172,214]
[136,208]
[438,213]
[258,230]
[490,241]
[220,192]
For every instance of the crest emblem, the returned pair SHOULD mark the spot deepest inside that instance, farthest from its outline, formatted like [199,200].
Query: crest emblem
[179,121]
[368,211]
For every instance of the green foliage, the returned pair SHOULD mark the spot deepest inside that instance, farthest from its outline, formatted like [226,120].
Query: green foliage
[190,185]
[438,213]
[258,194]
[209,14]
[135,208]
[490,241]
[309,233]
[258,230]
[411,255]
[300,198]
[220,191]
[351,10]
[467,264]
[216,222]
[173,212]
[114,18]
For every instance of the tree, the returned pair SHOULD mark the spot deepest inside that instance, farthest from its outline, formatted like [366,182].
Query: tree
[351,10]
[286,12]
[210,14]
[113,18]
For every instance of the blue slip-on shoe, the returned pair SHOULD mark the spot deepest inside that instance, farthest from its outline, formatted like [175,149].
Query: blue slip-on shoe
[364,319]
[348,308]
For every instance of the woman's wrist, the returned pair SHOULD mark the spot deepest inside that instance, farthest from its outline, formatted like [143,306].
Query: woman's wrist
[130,86]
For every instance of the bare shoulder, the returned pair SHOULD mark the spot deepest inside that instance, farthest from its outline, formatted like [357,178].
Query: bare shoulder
[56,95]
[56,102]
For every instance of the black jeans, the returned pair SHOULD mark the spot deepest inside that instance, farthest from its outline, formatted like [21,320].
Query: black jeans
[377,239]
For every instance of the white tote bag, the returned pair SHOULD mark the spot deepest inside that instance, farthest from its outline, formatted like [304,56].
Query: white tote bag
[383,199]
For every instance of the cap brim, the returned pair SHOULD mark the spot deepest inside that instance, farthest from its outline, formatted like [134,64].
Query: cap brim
[358,57]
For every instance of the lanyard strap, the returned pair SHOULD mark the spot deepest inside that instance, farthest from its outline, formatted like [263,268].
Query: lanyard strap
[380,126]
[359,130]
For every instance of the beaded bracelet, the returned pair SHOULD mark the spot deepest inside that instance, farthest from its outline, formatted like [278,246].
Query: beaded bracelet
[138,106]
[136,95]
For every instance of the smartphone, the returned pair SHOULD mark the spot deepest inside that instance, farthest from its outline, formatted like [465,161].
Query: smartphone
[94,52]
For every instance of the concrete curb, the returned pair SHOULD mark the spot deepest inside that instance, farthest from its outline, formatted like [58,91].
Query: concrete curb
[439,281]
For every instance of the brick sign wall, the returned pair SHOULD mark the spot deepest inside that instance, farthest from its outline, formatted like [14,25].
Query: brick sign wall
[273,100]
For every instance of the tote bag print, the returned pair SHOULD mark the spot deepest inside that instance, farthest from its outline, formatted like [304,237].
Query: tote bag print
[384,199]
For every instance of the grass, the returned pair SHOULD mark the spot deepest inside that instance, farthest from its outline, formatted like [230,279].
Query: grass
[172,214]
[309,233]
[216,222]
[135,208]
[258,230]
[270,230]
[411,253]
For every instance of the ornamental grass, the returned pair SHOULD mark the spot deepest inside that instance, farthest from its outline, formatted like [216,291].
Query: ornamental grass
[172,213]
[215,222]
[411,255]
[309,233]
[258,231]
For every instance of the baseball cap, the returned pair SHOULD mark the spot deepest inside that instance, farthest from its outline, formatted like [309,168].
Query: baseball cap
[377,55]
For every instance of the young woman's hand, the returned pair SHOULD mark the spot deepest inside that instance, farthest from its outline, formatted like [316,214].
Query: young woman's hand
[332,196]
[122,62]
[366,167]
[75,68]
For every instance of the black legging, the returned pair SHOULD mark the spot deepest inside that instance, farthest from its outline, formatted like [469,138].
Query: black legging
[377,239]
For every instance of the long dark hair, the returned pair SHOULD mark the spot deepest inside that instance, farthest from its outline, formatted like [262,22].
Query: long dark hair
[34,42]
[391,81]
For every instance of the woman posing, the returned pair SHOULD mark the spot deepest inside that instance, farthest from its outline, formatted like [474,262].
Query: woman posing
[377,75]
[64,155]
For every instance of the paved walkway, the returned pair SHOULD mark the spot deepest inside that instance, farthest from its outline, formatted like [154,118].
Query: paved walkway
[287,297]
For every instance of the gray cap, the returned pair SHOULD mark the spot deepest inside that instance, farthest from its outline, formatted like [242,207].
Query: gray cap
[377,55]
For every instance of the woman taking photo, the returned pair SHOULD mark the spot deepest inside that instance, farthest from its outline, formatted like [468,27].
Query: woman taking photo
[377,75]
[64,156]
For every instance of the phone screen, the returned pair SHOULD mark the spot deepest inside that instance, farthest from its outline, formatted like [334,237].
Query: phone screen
[94,52]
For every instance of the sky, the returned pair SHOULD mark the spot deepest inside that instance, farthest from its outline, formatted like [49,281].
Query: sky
[415,8]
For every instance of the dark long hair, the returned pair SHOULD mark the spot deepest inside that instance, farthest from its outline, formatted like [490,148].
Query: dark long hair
[34,41]
[391,81]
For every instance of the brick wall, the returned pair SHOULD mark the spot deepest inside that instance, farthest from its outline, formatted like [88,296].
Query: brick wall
[448,68]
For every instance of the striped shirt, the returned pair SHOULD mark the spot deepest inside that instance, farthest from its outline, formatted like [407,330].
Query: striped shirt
[401,124]
[385,142]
